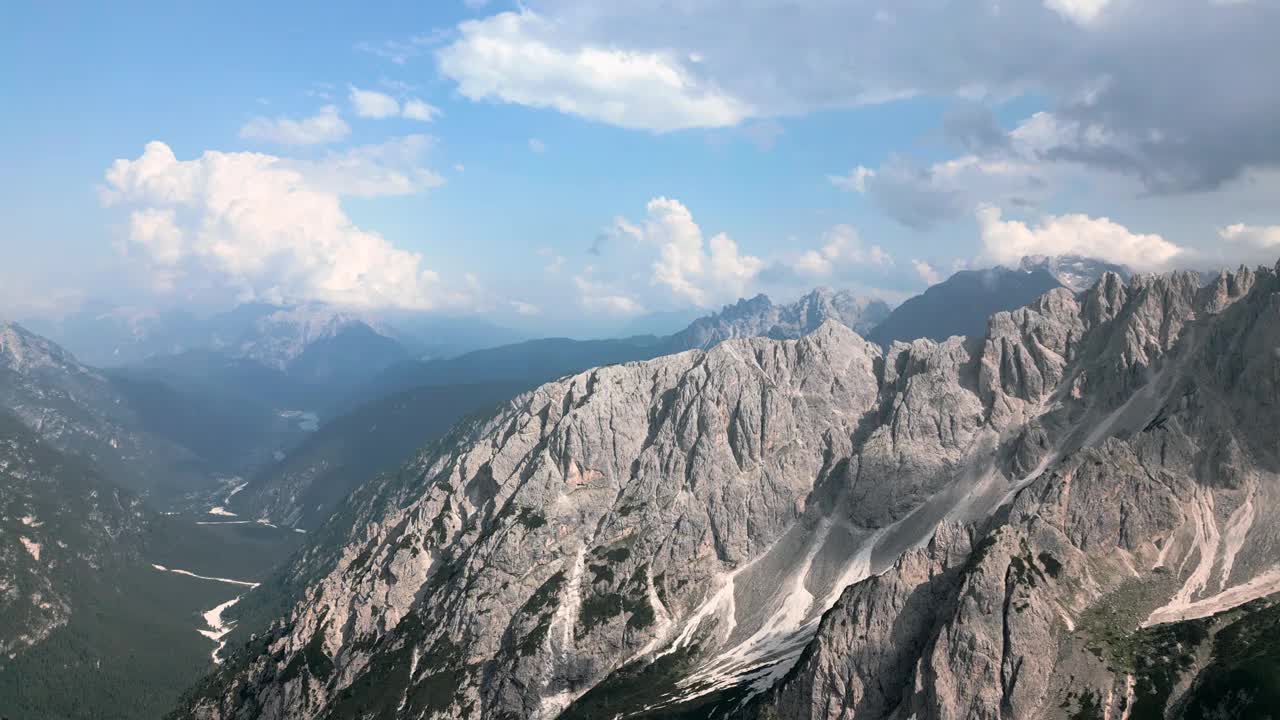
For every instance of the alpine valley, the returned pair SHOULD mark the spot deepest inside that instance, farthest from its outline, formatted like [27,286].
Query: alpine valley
[823,509]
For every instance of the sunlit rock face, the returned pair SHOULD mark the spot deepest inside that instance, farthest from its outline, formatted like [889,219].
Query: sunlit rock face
[806,528]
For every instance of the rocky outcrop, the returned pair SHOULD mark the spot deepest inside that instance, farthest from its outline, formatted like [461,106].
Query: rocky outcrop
[809,528]
[1146,514]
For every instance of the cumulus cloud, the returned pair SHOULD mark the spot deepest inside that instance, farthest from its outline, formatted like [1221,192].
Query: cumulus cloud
[841,248]
[1175,88]
[927,272]
[1007,241]
[1255,243]
[696,272]
[325,126]
[516,57]
[259,226]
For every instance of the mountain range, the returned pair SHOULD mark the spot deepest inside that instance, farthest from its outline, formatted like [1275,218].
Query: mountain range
[1064,515]
[822,509]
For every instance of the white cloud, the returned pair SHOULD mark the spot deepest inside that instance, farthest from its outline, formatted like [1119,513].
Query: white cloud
[841,248]
[855,181]
[1112,67]
[156,229]
[325,126]
[1007,241]
[683,265]
[927,272]
[373,104]
[390,168]
[1256,243]
[257,225]
[415,109]
[512,57]
[379,106]
[537,146]
[1082,12]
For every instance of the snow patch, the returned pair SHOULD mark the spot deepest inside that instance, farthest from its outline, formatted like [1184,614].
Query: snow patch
[188,573]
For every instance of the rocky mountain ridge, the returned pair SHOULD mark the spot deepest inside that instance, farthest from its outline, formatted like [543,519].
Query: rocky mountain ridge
[699,535]
[760,317]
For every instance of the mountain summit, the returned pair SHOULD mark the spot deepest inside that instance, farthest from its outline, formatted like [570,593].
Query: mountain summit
[759,317]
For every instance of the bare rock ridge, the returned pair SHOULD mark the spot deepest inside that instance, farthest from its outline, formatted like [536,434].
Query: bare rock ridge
[810,528]
[759,317]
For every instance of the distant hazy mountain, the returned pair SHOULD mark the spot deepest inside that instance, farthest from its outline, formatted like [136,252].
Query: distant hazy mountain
[78,409]
[303,488]
[1075,272]
[961,304]
[290,338]
[659,323]
[537,361]
[759,317]
[144,430]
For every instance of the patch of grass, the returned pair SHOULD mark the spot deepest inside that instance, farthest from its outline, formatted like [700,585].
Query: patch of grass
[1110,626]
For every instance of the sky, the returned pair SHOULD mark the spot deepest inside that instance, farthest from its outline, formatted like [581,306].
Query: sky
[575,166]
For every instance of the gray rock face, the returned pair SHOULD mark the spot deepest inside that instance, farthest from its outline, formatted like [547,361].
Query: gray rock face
[1143,516]
[808,528]
[1075,272]
[759,317]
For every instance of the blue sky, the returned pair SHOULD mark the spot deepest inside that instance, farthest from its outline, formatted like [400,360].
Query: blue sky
[704,149]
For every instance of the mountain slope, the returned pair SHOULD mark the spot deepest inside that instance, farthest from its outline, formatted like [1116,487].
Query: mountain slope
[79,410]
[669,536]
[961,304]
[88,628]
[1084,598]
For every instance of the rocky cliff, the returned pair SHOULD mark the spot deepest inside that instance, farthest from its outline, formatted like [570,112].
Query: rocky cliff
[807,528]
